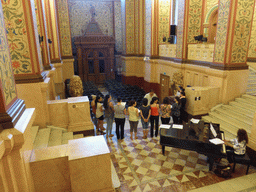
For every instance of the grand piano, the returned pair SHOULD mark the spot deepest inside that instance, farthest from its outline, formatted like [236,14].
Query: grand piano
[195,137]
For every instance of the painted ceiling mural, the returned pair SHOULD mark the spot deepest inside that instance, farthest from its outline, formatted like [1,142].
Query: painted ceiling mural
[6,73]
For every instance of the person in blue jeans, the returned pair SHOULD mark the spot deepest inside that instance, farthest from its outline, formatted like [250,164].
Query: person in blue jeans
[109,114]
[145,111]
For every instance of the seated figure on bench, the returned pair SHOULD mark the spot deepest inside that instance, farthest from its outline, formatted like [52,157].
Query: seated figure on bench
[237,146]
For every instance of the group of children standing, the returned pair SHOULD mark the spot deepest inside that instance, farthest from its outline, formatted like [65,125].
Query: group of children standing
[148,112]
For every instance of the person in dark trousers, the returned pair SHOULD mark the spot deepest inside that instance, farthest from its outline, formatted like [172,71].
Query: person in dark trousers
[145,111]
[154,119]
[176,110]
[183,113]
[165,111]
[119,116]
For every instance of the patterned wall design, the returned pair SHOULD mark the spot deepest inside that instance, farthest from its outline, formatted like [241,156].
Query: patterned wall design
[148,27]
[123,26]
[130,34]
[164,20]
[6,74]
[64,28]
[210,4]
[17,36]
[37,48]
[252,46]
[118,26]
[221,35]
[244,15]
[37,17]
[194,19]
[79,12]
[180,28]
[136,25]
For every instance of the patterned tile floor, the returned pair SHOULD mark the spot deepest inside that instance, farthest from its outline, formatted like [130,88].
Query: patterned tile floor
[141,166]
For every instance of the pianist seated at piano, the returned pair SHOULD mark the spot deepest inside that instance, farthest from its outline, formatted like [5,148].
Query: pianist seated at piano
[237,146]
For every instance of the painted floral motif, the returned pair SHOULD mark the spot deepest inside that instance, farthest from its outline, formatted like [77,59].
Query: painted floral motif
[210,4]
[64,27]
[6,74]
[123,25]
[194,19]
[118,26]
[180,28]
[148,27]
[164,20]
[129,10]
[136,27]
[17,35]
[252,46]
[242,29]
[220,43]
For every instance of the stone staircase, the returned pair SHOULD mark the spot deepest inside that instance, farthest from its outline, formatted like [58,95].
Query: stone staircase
[251,85]
[238,114]
[51,136]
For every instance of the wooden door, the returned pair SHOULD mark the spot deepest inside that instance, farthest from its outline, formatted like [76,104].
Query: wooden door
[213,27]
[164,86]
[95,64]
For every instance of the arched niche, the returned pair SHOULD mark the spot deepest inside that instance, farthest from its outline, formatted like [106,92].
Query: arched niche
[210,24]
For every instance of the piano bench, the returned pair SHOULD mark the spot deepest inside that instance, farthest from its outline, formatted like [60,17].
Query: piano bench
[244,160]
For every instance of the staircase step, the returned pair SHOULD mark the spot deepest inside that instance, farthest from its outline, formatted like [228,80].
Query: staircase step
[230,121]
[246,101]
[238,110]
[249,97]
[42,138]
[243,106]
[238,117]
[59,128]
[78,136]
[34,131]
[55,137]
[67,136]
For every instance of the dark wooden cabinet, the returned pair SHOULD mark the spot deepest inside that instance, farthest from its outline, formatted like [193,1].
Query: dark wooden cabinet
[95,58]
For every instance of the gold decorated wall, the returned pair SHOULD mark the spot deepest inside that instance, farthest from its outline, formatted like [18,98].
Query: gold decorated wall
[164,19]
[252,45]
[64,28]
[180,29]
[8,88]
[130,26]
[22,40]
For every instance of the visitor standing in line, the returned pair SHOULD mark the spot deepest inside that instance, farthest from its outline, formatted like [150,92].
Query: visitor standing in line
[109,114]
[145,111]
[119,115]
[133,113]
[99,114]
[154,118]
[150,96]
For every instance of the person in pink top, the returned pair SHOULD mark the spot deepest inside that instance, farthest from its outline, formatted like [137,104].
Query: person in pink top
[154,119]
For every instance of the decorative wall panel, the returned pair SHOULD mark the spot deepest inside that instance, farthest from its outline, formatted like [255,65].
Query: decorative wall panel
[164,20]
[17,36]
[130,34]
[221,36]
[118,26]
[252,46]
[123,25]
[80,16]
[148,20]
[210,4]
[136,26]
[180,28]
[241,32]
[64,28]
[6,73]
[194,19]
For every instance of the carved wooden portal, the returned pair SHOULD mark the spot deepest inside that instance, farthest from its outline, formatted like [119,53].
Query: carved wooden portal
[95,53]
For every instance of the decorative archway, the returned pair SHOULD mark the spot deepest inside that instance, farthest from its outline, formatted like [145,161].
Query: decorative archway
[210,23]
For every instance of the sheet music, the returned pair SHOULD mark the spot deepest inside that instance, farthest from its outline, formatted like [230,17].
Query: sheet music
[165,126]
[176,126]
[216,141]
[213,130]
[195,120]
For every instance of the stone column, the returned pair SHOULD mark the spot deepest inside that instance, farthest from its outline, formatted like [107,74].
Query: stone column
[189,25]
[54,44]
[11,107]
[231,45]
[42,32]
[65,38]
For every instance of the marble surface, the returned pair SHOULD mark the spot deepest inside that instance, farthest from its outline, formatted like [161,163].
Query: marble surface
[87,147]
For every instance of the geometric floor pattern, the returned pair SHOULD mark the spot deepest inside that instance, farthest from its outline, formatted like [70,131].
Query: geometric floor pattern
[141,166]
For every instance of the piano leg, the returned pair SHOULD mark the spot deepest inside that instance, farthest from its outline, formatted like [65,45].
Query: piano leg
[163,148]
[211,162]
